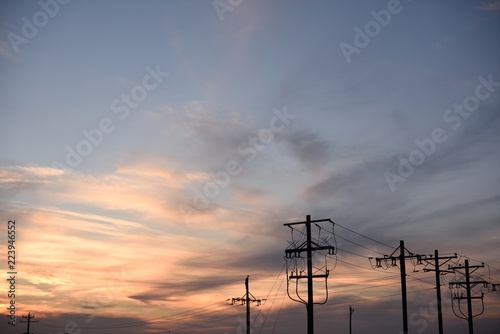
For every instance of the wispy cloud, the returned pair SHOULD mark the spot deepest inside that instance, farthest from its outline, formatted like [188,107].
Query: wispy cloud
[490,6]
[442,45]
[6,51]
[309,148]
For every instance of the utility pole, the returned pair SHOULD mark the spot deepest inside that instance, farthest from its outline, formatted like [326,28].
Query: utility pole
[438,272]
[246,300]
[29,317]
[402,266]
[468,284]
[309,246]
[351,310]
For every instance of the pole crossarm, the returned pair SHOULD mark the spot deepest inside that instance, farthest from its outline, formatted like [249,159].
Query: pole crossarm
[456,297]
[471,284]
[243,300]
[296,252]
[305,276]
[311,221]
[394,258]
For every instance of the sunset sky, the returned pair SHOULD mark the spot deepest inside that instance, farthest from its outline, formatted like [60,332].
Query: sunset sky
[151,151]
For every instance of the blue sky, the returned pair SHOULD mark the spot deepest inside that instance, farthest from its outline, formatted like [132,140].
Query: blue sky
[237,122]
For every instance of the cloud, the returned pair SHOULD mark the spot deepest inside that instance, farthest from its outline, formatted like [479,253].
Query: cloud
[308,147]
[91,227]
[248,194]
[490,6]
[6,51]
[444,44]
[154,296]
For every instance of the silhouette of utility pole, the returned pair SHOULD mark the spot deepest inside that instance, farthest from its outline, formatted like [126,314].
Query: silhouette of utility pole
[402,259]
[245,300]
[351,310]
[468,284]
[29,317]
[309,246]
[438,272]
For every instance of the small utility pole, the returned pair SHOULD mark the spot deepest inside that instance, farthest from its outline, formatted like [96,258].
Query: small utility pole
[351,310]
[468,284]
[246,300]
[438,272]
[402,259]
[29,317]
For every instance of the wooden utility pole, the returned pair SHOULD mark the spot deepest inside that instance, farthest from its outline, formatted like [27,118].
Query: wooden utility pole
[402,266]
[351,310]
[436,263]
[468,284]
[248,304]
[246,300]
[29,317]
[309,247]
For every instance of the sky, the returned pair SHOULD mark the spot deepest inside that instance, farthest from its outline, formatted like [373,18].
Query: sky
[151,151]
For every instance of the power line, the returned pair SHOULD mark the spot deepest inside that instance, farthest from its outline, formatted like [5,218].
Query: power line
[355,243]
[364,236]
[278,315]
[270,308]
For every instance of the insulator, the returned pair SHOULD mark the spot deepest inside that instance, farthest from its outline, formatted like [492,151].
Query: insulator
[393,262]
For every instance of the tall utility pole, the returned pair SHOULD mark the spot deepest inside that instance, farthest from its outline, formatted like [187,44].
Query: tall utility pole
[246,300]
[402,259]
[309,247]
[351,310]
[29,317]
[438,272]
[468,284]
